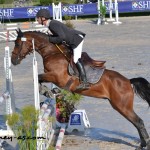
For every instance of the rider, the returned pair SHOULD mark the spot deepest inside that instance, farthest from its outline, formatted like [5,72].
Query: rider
[63,34]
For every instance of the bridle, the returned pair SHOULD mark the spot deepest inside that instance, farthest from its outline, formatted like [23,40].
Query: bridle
[19,56]
[29,50]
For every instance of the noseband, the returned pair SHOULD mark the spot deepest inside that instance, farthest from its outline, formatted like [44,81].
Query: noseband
[19,56]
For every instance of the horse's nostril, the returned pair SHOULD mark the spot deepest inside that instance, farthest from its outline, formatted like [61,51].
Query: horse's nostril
[14,62]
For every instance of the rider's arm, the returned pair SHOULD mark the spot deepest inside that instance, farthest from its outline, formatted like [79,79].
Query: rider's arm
[58,34]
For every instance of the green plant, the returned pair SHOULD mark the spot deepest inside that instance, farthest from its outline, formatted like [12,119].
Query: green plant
[68,21]
[102,10]
[66,103]
[2,1]
[71,97]
[46,2]
[24,125]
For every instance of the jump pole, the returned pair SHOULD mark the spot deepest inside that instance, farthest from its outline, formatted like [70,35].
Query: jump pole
[60,137]
[44,125]
[36,97]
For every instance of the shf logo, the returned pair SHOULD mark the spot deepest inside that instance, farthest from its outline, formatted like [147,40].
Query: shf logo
[75,119]
[135,5]
[141,5]
[32,11]
[65,8]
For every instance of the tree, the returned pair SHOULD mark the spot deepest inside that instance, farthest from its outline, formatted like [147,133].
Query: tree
[2,1]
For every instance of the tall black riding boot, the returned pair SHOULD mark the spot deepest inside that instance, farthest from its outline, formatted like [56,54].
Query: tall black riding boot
[84,84]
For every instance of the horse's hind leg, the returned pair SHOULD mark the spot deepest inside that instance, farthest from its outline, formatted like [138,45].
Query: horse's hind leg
[139,124]
[125,107]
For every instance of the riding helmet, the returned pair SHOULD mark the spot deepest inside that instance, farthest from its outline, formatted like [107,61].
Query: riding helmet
[43,13]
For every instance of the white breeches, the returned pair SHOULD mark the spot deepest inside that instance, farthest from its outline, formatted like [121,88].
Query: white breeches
[77,52]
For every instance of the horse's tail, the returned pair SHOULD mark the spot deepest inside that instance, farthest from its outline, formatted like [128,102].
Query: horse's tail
[142,88]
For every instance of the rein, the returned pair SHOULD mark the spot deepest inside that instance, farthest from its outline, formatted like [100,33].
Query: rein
[63,53]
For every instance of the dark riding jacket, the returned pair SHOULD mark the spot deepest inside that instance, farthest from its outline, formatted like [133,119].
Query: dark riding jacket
[62,33]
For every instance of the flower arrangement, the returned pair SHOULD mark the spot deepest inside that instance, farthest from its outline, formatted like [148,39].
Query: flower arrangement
[66,103]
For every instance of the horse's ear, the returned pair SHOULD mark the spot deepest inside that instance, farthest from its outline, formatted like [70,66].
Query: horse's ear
[19,32]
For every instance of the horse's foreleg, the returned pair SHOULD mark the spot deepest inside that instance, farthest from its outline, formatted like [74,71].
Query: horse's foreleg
[46,77]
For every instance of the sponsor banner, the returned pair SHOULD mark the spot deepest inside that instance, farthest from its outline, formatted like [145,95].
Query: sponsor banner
[80,9]
[21,12]
[75,9]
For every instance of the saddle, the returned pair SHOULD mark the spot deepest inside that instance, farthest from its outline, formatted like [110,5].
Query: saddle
[93,68]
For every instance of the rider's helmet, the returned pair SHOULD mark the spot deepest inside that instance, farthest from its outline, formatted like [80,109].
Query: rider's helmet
[43,13]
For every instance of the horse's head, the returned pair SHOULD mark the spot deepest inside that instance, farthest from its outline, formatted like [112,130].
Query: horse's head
[23,46]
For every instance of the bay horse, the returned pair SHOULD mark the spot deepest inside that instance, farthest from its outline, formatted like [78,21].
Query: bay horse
[112,85]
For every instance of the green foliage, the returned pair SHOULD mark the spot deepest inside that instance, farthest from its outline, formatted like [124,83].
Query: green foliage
[68,21]
[65,105]
[24,125]
[102,10]
[49,2]
[46,2]
[2,1]
[71,97]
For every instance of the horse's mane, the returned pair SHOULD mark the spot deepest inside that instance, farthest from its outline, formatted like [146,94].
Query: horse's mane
[37,34]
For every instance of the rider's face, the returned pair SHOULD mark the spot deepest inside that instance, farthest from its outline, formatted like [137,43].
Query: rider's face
[41,20]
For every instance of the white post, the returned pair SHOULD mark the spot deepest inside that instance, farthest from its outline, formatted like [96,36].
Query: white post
[57,13]
[36,95]
[116,14]
[1,17]
[44,129]
[35,77]
[8,94]
[10,102]
[110,11]
[99,15]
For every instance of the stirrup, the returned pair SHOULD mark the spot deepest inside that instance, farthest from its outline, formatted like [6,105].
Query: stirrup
[83,86]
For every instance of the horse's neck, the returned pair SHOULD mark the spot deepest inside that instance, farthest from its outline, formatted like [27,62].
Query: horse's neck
[53,51]
[42,45]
